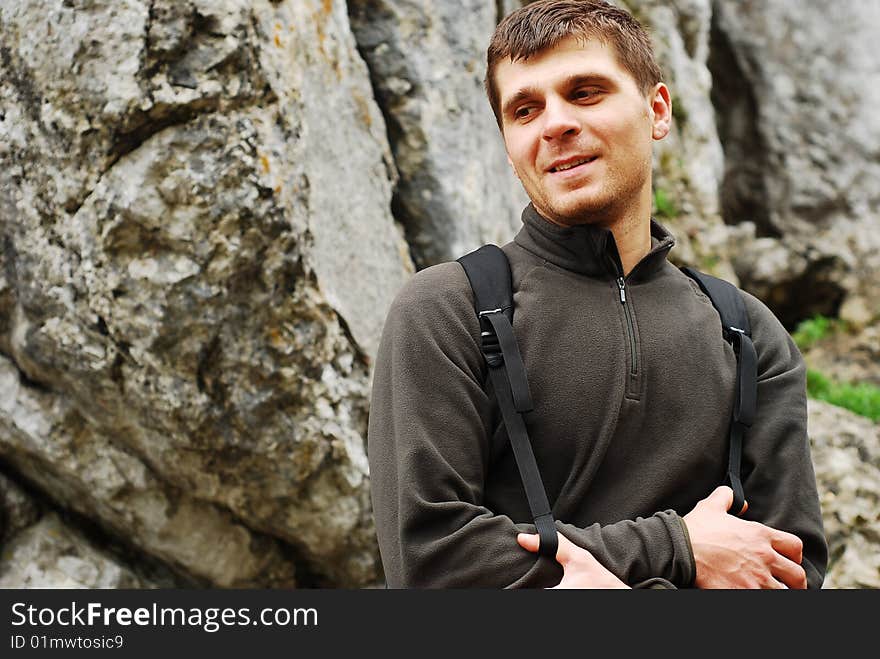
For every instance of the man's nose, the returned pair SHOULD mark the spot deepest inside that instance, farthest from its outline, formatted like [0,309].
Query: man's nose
[559,121]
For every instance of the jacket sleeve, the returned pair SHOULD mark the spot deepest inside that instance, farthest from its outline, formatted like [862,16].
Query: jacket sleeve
[778,476]
[640,552]
[428,447]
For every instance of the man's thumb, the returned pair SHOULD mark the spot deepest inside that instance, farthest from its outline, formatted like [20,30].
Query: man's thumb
[721,498]
[529,541]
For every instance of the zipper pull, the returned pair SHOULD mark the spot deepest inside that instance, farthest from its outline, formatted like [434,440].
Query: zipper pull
[622,286]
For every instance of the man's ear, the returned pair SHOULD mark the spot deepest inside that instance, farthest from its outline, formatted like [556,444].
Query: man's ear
[661,109]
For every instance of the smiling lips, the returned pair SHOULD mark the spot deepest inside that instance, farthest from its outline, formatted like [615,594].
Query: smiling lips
[570,163]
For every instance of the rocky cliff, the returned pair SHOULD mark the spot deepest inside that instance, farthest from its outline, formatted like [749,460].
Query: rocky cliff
[207,206]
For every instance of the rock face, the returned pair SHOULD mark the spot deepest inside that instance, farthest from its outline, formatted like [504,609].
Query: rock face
[208,205]
[51,553]
[17,510]
[86,471]
[688,163]
[190,301]
[40,549]
[456,190]
[796,88]
[846,453]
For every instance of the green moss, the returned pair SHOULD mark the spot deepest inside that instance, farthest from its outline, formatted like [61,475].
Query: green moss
[814,329]
[663,205]
[862,398]
[709,263]
[679,114]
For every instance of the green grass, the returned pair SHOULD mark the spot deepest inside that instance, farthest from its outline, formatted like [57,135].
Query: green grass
[709,263]
[862,398]
[679,113]
[814,329]
[663,206]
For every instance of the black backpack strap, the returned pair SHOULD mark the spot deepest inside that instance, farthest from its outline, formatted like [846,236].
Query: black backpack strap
[488,271]
[729,304]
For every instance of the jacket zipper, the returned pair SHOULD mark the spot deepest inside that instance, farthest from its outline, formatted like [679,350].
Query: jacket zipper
[621,284]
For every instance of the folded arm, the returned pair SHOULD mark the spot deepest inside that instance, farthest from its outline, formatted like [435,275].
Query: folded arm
[428,446]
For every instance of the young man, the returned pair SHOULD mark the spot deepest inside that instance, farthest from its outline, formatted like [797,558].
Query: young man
[631,379]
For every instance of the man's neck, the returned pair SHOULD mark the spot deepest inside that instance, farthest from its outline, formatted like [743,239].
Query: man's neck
[632,235]
[630,226]
[633,239]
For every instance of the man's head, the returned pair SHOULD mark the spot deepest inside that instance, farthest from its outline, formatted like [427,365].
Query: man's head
[543,24]
[577,95]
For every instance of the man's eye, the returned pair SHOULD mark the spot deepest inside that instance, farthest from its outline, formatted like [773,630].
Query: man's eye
[523,112]
[585,93]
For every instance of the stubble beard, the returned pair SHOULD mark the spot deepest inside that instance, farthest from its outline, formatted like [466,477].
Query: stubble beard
[594,210]
[603,208]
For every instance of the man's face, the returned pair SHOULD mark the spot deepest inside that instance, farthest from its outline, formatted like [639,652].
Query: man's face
[579,131]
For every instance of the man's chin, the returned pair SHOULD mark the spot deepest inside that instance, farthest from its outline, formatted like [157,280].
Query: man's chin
[582,212]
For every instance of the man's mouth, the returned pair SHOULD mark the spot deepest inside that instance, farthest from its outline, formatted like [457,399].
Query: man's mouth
[571,164]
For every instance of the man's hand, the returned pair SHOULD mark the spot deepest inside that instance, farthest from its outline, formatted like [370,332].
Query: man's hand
[580,568]
[735,553]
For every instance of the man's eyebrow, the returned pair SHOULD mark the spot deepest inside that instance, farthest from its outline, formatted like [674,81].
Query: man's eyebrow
[521,94]
[587,78]
[571,81]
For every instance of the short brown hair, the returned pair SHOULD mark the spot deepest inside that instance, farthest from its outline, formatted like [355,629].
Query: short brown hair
[543,24]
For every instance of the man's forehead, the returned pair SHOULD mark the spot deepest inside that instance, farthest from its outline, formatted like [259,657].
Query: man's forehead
[570,58]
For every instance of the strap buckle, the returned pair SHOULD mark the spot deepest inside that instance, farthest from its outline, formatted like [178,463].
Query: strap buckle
[490,345]
[733,334]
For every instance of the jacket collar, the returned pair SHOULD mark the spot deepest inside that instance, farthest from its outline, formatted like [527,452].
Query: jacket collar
[587,249]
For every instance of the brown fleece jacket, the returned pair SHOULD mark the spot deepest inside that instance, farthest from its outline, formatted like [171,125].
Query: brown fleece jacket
[632,403]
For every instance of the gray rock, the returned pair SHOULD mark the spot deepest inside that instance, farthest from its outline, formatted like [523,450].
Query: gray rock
[507,6]
[334,163]
[795,85]
[48,442]
[17,509]
[846,454]
[688,163]
[50,554]
[456,190]
[196,271]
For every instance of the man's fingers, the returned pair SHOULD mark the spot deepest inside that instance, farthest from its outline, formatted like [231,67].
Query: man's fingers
[580,568]
[530,541]
[788,545]
[789,573]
